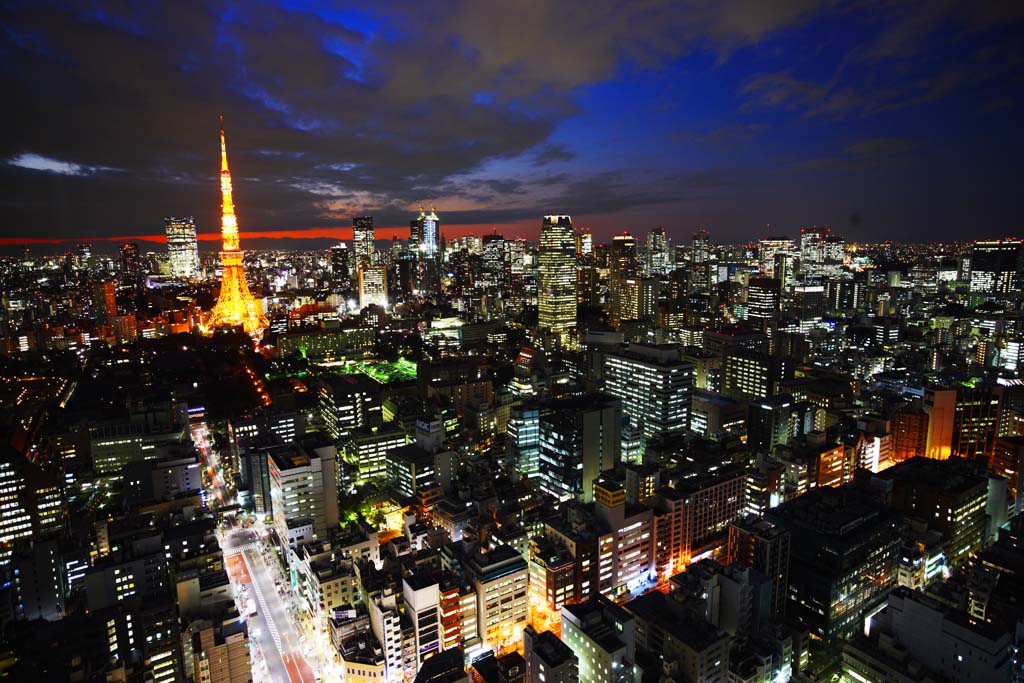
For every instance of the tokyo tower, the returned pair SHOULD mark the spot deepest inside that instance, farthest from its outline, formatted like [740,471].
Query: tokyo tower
[236,305]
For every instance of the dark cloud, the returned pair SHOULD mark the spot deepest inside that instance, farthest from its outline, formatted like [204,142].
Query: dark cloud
[905,64]
[323,119]
[866,154]
[552,153]
[111,112]
[724,138]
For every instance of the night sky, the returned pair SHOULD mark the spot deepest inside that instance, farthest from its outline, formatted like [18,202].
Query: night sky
[885,120]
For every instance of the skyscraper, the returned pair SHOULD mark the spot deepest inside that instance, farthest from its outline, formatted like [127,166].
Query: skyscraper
[373,286]
[362,240]
[623,264]
[493,274]
[130,265]
[766,251]
[821,252]
[236,306]
[424,236]
[182,247]
[556,293]
[764,298]
[579,439]
[996,265]
[700,261]
[654,384]
[105,301]
[340,263]
[659,252]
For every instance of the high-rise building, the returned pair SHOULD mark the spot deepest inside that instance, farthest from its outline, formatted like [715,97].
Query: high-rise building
[909,433]
[654,384]
[130,264]
[500,578]
[523,439]
[821,252]
[996,265]
[340,263]
[764,299]
[700,261]
[659,252]
[761,545]
[104,301]
[548,659]
[636,298]
[939,408]
[861,539]
[424,237]
[556,291]
[602,635]
[623,264]
[236,306]
[580,437]
[182,247]
[768,423]
[373,286]
[955,489]
[363,246]
[493,273]
[766,251]
[304,492]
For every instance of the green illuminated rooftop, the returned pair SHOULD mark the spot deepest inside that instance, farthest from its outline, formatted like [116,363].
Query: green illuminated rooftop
[385,372]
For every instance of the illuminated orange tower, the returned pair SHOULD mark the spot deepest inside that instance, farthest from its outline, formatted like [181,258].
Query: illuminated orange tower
[236,305]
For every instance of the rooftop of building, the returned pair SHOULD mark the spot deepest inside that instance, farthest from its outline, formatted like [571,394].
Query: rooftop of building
[657,608]
[954,475]
[598,619]
[288,456]
[551,650]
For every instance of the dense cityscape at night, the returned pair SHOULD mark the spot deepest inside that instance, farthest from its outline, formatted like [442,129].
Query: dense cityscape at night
[399,428]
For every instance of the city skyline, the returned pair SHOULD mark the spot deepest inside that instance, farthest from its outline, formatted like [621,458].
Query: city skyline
[863,118]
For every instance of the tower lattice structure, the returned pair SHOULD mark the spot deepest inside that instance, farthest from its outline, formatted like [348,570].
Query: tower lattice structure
[236,305]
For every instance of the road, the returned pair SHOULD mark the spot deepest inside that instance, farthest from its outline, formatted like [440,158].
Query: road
[276,635]
[277,640]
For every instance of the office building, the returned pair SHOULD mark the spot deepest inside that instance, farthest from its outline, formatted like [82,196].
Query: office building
[766,252]
[341,265]
[654,385]
[919,638]
[548,659]
[764,300]
[949,496]
[130,265]
[694,649]
[700,261]
[602,636]
[579,439]
[304,492]
[768,423]
[182,247]
[759,544]
[694,515]
[366,451]
[500,578]
[363,245]
[996,266]
[844,549]
[625,537]
[373,286]
[659,256]
[556,285]
[523,439]
[104,301]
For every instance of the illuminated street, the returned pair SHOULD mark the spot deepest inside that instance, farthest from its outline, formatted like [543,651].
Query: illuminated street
[277,639]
